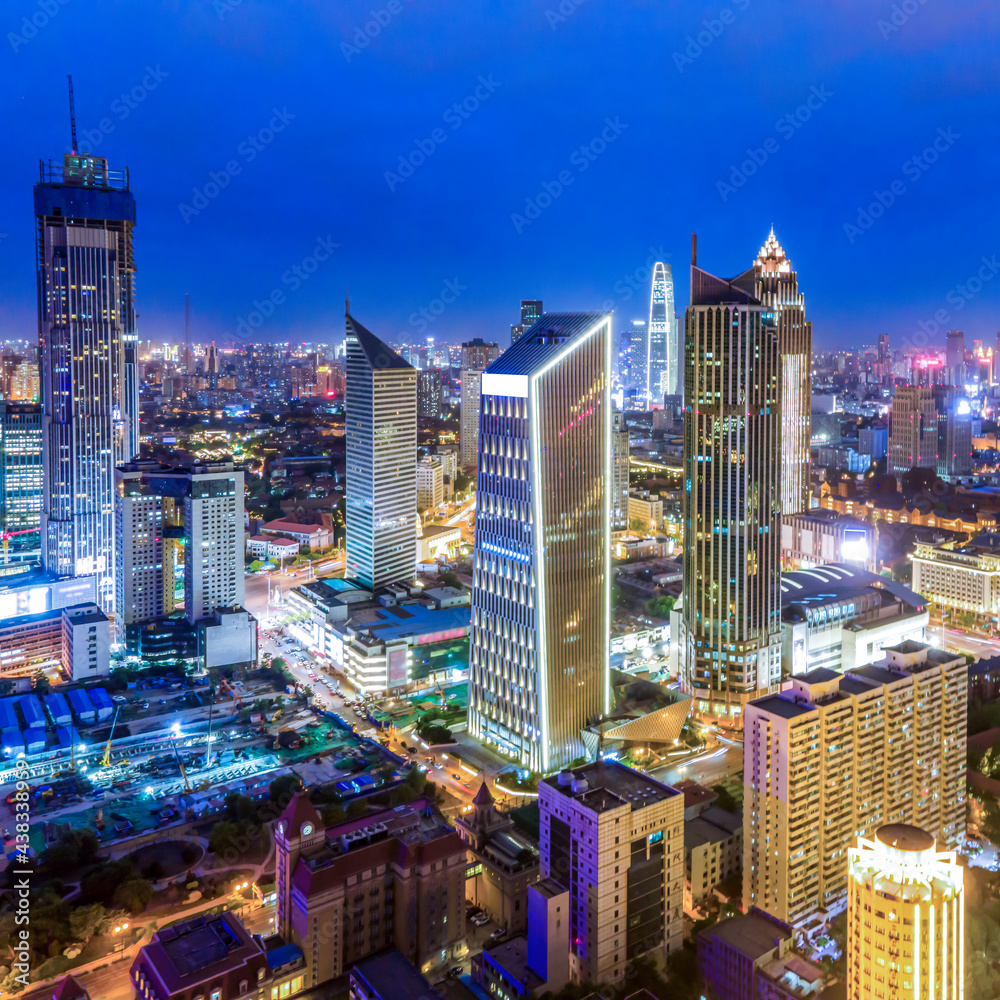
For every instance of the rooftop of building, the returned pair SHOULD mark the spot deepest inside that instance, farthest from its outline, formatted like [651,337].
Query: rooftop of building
[903,837]
[543,341]
[713,826]
[822,515]
[752,934]
[610,785]
[392,977]
[820,675]
[840,582]
[287,524]
[403,621]
[549,887]
[280,541]
[784,708]
[380,356]
[695,794]
[512,957]
[433,530]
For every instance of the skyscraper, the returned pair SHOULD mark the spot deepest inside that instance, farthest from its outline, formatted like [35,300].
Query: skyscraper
[661,349]
[477,356]
[539,650]
[429,392]
[21,480]
[955,356]
[777,288]
[905,918]
[531,313]
[381,489]
[86,328]
[731,619]
[835,756]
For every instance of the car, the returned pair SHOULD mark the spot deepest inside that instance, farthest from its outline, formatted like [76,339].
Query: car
[411,750]
[456,971]
[456,777]
[98,793]
[498,933]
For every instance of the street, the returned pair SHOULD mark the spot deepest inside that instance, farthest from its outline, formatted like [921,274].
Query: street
[707,768]
[963,642]
[260,590]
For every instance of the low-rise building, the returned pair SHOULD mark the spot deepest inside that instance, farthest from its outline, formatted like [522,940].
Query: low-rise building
[713,846]
[430,482]
[502,863]
[820,537]
[228,639]
[750,957]
[839,617]
[215,957]
[70,644]
[395,878]
[316,536]
[964,577]
[438,541]
[646,509]
[389,977]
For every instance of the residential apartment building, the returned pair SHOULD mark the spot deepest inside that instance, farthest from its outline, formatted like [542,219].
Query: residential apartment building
[614,838]
[905,918]
[960,577]
[389,879]
[837,756]
[539,652]
[430,483]
[713,853]
[381,489]
[645,509]
[477,356]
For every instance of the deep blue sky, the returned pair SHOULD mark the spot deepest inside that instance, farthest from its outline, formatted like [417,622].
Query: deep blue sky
[357,113]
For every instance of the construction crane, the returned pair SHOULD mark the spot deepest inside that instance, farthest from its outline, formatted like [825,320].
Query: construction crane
[72,111]
[225,686]
[106,759]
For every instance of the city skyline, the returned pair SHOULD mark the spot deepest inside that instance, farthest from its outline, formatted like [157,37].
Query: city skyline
[880,265]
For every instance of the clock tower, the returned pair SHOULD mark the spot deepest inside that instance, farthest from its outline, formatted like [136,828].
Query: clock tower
[298,831]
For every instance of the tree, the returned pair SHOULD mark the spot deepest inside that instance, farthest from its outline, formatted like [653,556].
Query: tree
[226,838]
[86,921]
[725,799]
[639,525]
[356,808]
[240,809]
[283,788]
[661,606]
[255,565]
[134,895]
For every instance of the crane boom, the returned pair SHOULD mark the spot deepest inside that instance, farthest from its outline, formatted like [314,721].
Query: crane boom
[72,111]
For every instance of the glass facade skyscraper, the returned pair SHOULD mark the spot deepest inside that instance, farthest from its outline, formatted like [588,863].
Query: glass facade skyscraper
[540,635]
[731,618]
[381,497]
[661,350]
[85,214]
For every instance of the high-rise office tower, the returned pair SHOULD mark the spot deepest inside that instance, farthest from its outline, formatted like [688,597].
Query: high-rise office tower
[913,430]
[86,328]
[429,393]
[21,480]
[730,625]
[381,491]
[539,645]
[776,286]
[212,359]
[955,356]
[144,571]
[884,359]
[905,918]
[661,341]
[619,473]
[531,313]
[836,756]
[477,356]
[615,839]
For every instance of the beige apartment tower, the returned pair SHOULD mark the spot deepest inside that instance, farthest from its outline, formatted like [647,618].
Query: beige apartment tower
[836,756]
[905,918]
[477,356]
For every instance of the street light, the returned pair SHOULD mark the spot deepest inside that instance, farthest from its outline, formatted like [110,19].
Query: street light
[120,930]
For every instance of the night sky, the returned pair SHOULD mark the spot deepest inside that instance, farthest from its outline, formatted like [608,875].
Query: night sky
[646,109]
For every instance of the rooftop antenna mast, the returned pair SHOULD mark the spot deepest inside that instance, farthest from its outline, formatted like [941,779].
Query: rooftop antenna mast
[187,333]
[72,111]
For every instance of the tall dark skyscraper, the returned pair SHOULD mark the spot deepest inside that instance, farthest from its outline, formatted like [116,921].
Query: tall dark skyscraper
[955,356]
[731,618]
[540,636]
[85,214]
[531,313]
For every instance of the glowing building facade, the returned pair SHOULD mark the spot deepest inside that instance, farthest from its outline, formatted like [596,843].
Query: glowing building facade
[381,493]
[661,339]
[905,918]
[87,346]
[540,635]
[730,626]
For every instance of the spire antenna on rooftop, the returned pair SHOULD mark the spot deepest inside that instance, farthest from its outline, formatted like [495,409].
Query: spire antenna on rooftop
[72,111]
[347,299]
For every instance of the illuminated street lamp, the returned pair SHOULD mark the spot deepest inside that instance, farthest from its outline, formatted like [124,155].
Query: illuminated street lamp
[120,932]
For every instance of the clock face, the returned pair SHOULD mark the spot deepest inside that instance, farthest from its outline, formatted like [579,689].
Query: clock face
[307,828]
[281,827]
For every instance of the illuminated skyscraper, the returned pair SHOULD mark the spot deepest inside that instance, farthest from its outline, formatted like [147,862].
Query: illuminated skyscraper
[661,349]
[731,618]
[87,342]
[777,288]
[905,918]
[539,654]
[381,495]
[955,356]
